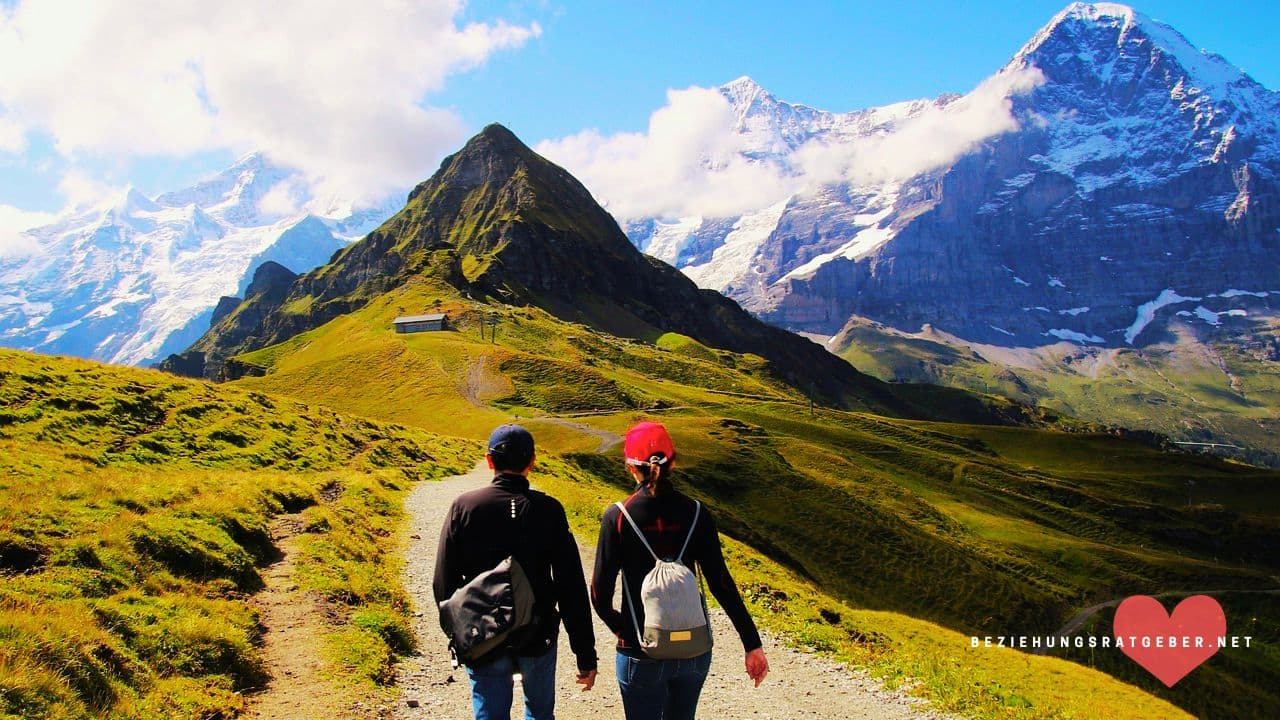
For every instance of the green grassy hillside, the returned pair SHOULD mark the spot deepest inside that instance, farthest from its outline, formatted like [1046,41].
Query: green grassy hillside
[134,512]
[978,529]
[1195,385]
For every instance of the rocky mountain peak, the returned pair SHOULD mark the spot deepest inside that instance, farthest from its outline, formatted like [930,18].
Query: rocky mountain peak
[744,93]
[268,276]
[493,156]
[1115,44]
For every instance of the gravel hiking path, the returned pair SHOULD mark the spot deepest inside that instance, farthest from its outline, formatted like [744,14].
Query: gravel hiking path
[799,685]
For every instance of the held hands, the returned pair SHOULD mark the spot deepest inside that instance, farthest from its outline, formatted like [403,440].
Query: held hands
[757,665]
[587,680]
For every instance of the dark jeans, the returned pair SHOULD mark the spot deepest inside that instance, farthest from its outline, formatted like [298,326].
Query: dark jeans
[492,687]
[661,689]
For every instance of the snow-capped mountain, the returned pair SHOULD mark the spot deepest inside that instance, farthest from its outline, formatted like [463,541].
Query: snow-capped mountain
[1137,182]
[139,279]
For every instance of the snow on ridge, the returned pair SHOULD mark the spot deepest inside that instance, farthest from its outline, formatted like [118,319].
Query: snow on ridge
[733,260]
[1073,336]
[128,278]
[1215,318]
[1074,311]
[863,243]
[670,237]
[1147,312]
[1237,293]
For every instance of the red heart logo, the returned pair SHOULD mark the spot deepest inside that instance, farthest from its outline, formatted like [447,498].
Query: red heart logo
[1169,646]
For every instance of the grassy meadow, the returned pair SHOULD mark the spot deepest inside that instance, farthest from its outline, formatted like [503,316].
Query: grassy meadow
[134,522]
[914,535]
[1212,389]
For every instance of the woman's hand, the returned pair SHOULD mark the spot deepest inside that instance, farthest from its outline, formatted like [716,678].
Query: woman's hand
[757,665]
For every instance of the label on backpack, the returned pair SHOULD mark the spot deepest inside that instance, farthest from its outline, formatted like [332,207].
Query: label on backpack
[681,635]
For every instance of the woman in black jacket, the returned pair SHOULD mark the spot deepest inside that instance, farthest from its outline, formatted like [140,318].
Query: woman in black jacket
[671,523]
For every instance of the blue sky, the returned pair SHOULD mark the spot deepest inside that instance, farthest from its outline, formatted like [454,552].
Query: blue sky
[545,69]
[608,65]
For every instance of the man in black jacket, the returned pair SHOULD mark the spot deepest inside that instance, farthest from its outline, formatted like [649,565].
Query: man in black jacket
[506,518]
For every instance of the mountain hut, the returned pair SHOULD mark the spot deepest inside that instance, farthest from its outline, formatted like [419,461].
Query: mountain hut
[421,323]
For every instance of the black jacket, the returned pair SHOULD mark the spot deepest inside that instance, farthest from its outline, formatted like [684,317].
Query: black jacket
[665,519]
[481,531]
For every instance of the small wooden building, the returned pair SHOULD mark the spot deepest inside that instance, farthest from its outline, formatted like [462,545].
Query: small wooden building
[421,323]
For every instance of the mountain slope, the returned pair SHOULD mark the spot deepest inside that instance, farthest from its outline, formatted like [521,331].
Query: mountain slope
[882,523]
[1132,211]
[137,280]
[138,516]
[1142,180]
[499,221]
[970,527]
[1139,179]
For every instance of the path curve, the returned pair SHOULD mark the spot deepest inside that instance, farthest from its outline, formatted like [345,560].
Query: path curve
[608,440]
[799,685]
[1080,618]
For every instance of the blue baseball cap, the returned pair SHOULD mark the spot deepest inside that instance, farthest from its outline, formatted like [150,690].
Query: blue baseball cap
[511,447]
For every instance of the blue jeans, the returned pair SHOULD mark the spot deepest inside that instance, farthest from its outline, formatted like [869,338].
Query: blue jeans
[661,689]
[492,686]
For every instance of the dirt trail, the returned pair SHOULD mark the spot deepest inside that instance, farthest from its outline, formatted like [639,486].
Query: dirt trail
[799,685]
[295,622]
[607,439]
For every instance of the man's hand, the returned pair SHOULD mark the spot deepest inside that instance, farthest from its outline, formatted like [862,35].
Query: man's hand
[587,680]
[757,665]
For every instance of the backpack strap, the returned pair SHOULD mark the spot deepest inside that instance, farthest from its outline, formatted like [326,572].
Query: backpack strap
[697,511]
[639,534]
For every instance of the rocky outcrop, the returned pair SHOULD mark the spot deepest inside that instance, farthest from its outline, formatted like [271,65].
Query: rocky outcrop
[237,328]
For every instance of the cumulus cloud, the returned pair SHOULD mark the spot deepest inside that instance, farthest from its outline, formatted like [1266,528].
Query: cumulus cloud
[284,198]
[333,88]
[686,164]
[931,139]
[690,161]
[82,191]
[13,243]
[12,137]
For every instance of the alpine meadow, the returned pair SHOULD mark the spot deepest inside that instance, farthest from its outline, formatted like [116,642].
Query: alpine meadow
[920,415]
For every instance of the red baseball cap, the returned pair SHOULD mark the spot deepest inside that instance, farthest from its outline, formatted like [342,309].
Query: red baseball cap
[648,443]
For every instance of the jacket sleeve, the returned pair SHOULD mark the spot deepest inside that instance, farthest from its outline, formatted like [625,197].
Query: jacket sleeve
[447,577]
[571,594]
[605,576]
[720,582]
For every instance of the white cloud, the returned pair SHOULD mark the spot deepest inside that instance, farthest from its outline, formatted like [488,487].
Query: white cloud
[935,137]
[83,191]
[686,164]
[12,137]
[689,161]
[13,243]
[283,199]
[334,88]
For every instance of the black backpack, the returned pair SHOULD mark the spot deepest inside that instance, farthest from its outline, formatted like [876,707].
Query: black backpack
[492,612]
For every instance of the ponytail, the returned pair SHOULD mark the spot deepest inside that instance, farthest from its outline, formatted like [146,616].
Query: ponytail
[656,474]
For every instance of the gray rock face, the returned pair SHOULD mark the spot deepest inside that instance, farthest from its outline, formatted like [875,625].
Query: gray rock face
[1142,181]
